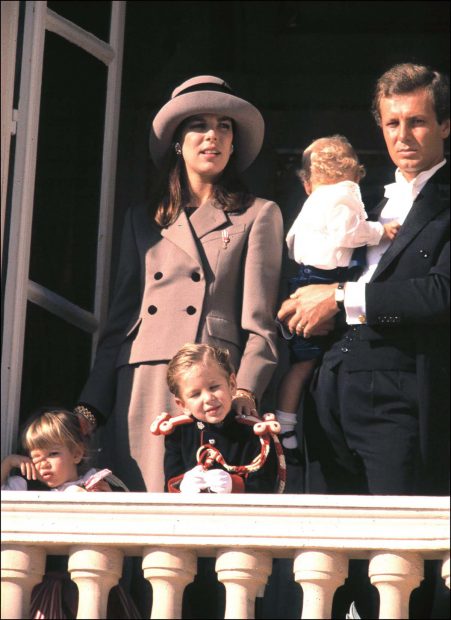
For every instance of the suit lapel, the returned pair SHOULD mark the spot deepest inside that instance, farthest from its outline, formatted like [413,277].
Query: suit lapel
[425,208]
[207,218]
[180,233]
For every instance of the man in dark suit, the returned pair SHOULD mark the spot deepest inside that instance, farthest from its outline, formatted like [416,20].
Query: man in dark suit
[381,393]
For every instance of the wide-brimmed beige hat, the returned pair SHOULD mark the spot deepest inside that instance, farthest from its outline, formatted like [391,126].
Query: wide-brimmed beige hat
[207,94]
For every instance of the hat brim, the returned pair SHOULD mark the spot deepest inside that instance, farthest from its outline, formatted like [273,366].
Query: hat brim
[249,124]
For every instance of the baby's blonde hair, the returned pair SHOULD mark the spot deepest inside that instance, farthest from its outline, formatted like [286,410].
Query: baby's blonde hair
[191,355]
[330,160]
[48,427]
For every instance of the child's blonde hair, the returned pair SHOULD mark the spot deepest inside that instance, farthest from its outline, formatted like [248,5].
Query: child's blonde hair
[191,355]
[330,160]
[53,427]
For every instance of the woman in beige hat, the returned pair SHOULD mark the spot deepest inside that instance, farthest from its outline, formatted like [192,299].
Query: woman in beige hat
[200,263]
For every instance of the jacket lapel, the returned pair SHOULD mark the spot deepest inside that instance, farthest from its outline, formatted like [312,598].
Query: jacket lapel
[425,208]
[207,218]
[180,234]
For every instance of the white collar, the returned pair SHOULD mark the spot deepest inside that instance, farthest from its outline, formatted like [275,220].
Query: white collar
[411,189]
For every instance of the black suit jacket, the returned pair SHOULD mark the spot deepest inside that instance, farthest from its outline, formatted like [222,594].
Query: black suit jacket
[407,310]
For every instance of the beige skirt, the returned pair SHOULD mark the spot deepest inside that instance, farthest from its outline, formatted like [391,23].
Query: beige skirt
[126,444]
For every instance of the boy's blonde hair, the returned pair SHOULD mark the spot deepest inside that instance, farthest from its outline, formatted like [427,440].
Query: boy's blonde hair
[330,160]
[53,427]
[191,355]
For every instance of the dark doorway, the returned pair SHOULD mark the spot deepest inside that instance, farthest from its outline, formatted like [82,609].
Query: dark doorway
[309,67]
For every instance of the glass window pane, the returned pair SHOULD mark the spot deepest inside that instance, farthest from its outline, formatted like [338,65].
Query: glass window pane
[56,361]
[94,16]
[68,171]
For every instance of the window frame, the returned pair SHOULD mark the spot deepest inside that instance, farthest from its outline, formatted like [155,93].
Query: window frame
[18,215]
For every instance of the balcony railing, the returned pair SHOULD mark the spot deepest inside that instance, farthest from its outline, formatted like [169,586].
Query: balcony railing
[244,532]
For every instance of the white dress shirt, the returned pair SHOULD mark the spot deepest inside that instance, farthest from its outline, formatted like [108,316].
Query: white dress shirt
[401,196]
[332,222]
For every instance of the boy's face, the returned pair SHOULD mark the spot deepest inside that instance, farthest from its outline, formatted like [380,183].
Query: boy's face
[206,392]
[56,464]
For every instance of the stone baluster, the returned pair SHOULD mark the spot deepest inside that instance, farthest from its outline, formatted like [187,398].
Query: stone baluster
[319,573]
[244,574]
[168,572]
[22,568]
[95,570]
[395,575]
[445,569]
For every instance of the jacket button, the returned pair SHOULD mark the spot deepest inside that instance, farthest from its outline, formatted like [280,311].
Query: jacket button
[191,310]
[195,276]
[152,309]
[158,275]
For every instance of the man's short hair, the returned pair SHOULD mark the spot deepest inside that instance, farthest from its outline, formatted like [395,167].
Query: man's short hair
[406,78]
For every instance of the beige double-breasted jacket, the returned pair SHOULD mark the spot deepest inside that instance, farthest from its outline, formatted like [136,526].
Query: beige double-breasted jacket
[212,278]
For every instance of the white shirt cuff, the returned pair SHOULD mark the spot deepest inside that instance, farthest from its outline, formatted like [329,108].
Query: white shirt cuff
[355,303]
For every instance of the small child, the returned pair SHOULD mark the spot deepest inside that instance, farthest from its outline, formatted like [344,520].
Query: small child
[56,446]
[208,448]
[332,222]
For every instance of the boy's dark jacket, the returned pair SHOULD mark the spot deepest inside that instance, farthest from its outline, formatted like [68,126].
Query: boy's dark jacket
[237,443]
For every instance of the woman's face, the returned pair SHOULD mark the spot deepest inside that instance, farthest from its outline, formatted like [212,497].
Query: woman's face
[206,142]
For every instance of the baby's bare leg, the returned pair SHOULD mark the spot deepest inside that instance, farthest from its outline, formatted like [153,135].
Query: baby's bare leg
[292,385]
[290,392]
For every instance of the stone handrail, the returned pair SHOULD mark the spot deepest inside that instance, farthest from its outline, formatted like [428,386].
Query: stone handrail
[244,532]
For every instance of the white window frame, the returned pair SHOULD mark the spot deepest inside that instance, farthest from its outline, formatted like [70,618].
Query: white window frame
[19,289]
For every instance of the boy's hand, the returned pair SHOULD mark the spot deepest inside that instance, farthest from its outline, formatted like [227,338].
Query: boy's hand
[193,481]
[391,229]
[218,481]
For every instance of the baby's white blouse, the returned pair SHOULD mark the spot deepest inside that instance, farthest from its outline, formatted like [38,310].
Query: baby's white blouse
[17,483]
[332,222]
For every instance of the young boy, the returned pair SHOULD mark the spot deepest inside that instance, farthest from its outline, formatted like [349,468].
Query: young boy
[208,449]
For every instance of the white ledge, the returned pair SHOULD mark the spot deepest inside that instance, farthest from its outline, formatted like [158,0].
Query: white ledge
[283,523]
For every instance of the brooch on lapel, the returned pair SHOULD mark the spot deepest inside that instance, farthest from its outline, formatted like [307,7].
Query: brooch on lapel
[225,238]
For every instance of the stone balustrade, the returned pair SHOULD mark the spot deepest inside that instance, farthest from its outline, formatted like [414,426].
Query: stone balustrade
[244,533]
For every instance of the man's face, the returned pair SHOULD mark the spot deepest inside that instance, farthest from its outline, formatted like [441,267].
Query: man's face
[413,136]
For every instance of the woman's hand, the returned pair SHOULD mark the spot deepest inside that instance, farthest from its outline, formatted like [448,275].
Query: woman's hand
[87,428]
[244,403]
[86,419]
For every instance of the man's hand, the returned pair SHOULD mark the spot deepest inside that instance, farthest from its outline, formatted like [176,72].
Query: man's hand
[310,310]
